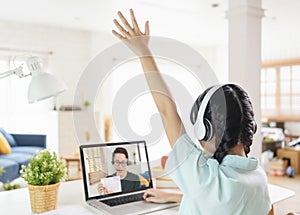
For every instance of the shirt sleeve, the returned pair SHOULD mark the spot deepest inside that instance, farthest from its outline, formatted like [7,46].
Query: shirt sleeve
[188,165]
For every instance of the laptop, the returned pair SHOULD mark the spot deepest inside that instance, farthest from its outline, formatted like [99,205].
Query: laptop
[115,177]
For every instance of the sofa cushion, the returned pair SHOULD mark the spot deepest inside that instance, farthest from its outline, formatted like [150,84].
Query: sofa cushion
[20,158]
[32,150]
[10,139]
[11,169]
[30,139]
[4,146]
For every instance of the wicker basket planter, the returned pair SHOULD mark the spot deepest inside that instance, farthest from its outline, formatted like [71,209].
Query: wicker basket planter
[43,198]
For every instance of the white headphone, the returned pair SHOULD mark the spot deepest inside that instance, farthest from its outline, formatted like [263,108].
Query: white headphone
[203,128]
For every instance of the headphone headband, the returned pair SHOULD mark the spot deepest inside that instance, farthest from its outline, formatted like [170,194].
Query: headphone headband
[206,100]
[202,127]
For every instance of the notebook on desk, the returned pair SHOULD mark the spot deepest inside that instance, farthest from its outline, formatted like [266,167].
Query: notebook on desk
[115,177]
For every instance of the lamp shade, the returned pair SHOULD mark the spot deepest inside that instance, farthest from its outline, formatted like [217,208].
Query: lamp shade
[43,86]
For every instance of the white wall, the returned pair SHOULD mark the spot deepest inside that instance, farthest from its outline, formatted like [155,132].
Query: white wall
[217,58]
[71,52]
[292,127]
[280,43]
[71,49]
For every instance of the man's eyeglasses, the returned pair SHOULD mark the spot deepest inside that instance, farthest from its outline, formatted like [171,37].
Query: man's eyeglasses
[118,163]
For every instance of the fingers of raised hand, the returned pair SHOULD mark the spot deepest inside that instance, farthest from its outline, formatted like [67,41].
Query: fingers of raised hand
[125,23]
[147,29]
[126,30]
[121,29]
[134,22]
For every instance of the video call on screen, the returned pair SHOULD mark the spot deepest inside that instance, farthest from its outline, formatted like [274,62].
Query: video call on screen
[116,169]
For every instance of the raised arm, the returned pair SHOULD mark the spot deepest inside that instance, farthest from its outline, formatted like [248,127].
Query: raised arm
[138,43]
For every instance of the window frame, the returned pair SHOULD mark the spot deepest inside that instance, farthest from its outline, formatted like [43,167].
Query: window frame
[279,114]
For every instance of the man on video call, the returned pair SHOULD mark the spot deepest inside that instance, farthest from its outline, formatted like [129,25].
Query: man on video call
[129,181]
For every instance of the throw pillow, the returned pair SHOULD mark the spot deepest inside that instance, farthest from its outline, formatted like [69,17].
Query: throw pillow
[4,146]
[10,139]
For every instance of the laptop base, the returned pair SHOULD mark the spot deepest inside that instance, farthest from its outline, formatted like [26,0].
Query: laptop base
[135,208]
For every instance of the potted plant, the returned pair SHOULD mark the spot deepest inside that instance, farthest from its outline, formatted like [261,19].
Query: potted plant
[7,185]
[1,170]
[134,157]
[43,175]
[86,104]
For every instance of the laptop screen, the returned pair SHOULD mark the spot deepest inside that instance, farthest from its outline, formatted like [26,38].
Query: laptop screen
[114,168]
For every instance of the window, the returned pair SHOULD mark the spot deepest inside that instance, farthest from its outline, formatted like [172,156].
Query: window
[280,90]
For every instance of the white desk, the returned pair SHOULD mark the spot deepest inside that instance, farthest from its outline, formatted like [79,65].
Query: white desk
[71,200]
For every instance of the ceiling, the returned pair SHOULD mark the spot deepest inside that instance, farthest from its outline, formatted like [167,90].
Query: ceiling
[195,21]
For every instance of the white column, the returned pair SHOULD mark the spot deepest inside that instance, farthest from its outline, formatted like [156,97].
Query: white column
[244,28]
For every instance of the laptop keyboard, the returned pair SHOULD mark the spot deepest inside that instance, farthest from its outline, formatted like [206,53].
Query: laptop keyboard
[123,199]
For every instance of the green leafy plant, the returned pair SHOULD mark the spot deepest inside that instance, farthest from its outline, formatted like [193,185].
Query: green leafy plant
[1,170]
[134,158]
[44,169]
[8,186]
[86,103]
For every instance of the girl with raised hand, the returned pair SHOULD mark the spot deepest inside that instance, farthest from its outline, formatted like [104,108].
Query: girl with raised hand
[217,178]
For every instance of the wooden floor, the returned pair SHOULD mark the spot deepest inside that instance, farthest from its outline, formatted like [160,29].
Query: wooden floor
[289,205]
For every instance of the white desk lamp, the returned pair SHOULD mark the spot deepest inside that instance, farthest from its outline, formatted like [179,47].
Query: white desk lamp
[43,85]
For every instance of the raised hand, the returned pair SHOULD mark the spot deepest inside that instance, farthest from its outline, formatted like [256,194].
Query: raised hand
[132,35]
[138,42]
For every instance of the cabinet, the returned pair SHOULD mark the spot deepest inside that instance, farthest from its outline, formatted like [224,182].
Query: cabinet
[273,146]
[293,155]
[73,128]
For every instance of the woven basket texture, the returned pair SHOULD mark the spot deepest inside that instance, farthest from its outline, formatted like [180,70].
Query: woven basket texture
[43,198]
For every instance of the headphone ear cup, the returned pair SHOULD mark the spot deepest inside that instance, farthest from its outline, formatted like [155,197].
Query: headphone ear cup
[199,129]
[209,130]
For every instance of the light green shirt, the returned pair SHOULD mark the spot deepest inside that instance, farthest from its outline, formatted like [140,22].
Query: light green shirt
[237,186]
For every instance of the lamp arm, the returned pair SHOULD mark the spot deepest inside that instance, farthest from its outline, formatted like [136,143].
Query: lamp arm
[17,71]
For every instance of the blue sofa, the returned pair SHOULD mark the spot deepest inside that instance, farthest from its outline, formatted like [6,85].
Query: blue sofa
[23,146]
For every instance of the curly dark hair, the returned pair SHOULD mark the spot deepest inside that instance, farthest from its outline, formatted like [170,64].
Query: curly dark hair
[231,115]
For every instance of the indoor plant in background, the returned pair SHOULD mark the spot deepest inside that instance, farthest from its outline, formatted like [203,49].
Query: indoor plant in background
[1,172]
[7,185]
[43,175]
[86,104]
